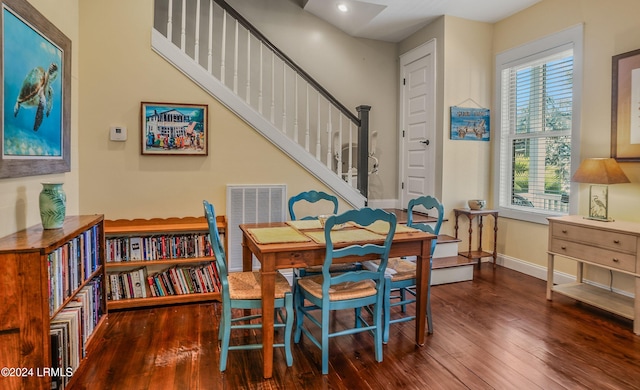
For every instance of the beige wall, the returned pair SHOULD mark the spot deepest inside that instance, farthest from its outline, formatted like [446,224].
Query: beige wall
[19,196]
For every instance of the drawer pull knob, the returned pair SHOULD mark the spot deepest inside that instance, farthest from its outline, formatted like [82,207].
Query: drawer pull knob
[564,231]
[616,241]
[615,260]
[563,247]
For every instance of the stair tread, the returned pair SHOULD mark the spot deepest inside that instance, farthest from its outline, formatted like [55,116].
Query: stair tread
[444,238]
[452,261]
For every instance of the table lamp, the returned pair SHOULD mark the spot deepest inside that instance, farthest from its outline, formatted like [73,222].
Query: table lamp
[599,172]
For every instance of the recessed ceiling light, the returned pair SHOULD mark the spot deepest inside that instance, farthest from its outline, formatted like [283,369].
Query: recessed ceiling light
[343,7]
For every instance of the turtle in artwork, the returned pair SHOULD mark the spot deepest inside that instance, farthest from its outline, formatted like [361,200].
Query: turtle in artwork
[37,92]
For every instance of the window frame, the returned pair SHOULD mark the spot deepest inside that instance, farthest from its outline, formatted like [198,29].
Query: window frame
[571,38]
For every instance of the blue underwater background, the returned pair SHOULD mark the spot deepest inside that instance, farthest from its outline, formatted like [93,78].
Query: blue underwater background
[25,49]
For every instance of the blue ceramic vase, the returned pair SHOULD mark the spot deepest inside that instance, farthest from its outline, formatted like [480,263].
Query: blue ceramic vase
[53,205]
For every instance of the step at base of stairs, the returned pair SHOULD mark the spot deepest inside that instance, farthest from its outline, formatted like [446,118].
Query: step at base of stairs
[452,269]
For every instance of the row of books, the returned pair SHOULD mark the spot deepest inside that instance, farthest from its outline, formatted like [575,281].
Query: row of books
[128,284]
[159,247]
[70,265]
[70,330]
[191,279]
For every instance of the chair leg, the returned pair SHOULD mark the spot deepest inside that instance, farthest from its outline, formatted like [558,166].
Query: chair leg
[386,303]
[325,341]
[298,301]
[288,304]
[403,298]
[379,323]
[225,336]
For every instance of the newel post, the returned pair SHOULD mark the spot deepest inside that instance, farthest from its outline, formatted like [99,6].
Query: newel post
[363,150]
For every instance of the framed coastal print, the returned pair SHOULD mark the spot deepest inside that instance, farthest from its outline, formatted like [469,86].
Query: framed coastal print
[625,106]
[470,124]
[36,86]
[174,129]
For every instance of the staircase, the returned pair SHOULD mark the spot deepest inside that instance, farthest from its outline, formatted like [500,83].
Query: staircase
[225,55]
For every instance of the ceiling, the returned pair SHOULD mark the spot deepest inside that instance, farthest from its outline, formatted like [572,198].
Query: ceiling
[395,20]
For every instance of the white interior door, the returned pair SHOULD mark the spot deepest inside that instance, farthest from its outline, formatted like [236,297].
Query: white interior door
[418,143]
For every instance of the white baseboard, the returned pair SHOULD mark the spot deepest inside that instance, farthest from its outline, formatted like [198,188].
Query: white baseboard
[540,272]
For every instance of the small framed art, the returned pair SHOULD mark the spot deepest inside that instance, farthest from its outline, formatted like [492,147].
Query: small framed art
[469,123]
[174,129]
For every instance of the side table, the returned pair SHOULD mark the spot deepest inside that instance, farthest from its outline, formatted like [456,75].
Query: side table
[471,214]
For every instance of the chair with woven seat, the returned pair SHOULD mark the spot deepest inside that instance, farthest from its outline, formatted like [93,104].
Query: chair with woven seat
[242,290]
[329,291]
[327,201]
[402,272]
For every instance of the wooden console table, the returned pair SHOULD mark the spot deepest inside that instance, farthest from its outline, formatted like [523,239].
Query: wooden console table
[609,245]
[471,214]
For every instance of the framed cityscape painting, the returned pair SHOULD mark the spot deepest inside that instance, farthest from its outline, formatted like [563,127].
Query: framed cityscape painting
[36,87]
[174,129]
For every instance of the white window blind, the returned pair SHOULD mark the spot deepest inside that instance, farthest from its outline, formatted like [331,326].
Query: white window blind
[537,127]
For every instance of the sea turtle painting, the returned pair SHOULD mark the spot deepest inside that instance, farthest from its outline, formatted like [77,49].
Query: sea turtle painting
[37,92]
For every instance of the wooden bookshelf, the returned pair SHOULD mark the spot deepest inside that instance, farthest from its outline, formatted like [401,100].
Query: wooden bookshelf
[39,288]
[146,229]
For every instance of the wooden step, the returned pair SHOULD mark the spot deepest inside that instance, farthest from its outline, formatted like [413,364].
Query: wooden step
[447,246]
[452,261]
[451,269]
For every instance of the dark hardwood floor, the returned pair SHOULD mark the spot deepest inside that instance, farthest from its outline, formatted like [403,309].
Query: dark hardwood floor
[495,332]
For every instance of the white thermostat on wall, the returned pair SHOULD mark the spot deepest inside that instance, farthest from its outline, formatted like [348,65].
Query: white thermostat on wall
[118,133]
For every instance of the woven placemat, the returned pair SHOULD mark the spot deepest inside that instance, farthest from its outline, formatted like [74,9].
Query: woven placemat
[305,224]
[277,235]
[381,227]
[345,235]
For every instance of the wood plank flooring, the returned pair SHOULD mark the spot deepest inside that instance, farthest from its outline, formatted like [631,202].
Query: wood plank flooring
[495,332]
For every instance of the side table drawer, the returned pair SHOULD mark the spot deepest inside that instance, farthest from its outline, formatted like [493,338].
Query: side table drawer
[605,239]
[605,257]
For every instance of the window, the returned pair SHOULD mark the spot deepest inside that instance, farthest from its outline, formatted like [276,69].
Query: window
[538,96]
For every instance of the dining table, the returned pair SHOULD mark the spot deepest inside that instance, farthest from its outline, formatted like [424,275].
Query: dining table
[299,244]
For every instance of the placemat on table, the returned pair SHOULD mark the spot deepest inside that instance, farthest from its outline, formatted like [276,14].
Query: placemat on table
[345,235]
[277,235]
[305,224]
[382,227]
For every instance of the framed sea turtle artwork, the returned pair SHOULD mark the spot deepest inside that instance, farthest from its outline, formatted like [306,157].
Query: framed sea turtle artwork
[36,87]
[174,129]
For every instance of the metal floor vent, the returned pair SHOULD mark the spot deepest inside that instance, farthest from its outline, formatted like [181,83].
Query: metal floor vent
[250,204]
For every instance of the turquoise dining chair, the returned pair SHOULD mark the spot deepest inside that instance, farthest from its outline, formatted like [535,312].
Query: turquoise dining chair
[402,279]
[329,202]
[329,291]
[312,196]
[242,290]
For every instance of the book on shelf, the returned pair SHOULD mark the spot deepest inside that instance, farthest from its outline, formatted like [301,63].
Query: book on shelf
[135,245]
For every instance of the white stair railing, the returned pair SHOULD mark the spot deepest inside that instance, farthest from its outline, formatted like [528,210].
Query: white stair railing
[232,51]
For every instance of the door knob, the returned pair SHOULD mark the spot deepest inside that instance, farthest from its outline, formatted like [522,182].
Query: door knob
[426,142]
